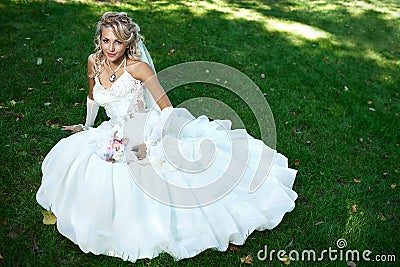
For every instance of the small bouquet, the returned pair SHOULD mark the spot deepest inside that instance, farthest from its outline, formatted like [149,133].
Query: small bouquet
[115,148]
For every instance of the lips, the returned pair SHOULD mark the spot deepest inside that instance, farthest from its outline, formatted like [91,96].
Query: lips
[111,55]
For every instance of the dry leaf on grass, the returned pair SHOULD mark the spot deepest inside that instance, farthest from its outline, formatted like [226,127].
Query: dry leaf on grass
[354,208]
[48,217]
[285,259]
[34,246]
[247,259]
[381,217]
[234,248]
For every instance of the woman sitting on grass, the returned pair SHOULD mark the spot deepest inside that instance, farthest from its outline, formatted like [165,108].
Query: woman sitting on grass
[153,178]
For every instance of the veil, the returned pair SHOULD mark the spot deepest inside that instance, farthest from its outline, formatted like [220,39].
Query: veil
[145,57]
[150,103]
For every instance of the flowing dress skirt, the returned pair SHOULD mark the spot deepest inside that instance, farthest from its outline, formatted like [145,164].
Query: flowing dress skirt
[201,186]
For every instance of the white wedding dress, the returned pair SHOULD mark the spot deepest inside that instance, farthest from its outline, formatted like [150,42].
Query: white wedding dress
[192,192]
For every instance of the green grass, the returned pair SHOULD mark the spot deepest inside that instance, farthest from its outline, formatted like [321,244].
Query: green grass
[335,100]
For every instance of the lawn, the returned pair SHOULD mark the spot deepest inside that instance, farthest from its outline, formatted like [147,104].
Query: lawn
[329,70]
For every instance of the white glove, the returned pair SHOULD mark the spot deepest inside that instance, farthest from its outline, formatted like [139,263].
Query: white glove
[157,131]
[91,112]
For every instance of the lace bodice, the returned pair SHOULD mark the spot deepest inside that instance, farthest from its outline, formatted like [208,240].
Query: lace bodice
[125,98]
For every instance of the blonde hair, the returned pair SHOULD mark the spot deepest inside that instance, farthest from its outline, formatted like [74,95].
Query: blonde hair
[124,29]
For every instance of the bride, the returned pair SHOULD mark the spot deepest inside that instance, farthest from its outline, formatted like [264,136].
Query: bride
[154,178]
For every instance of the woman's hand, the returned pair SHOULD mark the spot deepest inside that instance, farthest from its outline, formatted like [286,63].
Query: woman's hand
[141,151]
[73,128]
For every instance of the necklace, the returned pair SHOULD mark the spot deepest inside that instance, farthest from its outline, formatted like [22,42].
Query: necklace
[113,76]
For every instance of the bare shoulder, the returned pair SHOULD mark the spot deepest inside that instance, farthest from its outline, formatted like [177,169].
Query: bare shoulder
[91,59]
[139,70]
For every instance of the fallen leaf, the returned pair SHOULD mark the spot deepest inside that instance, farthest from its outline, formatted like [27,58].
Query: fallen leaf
[19,116]
[4,222]
[393,186]
[381,217]
[1,259]
[30,89]
[354,208]
[49,122]
[13,102]
[351,264]
[46,82]
[262,75]
[285,259]
[48,217]
[247,259]
[39,61]
[234,248]
[372,109]
[318,223]
[34,246]
[171,51]
[357,180]
[296,162]
[12,235]
[369,102]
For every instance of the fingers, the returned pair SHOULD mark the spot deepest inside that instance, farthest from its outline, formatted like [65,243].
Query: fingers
[141,151]
[72,128]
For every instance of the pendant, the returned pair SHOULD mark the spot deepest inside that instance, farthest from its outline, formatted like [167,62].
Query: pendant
[113,77]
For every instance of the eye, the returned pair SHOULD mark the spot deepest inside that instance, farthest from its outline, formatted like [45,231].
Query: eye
[105,40]
[118,42]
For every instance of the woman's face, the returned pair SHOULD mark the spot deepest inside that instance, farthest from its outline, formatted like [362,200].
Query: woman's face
[112,48]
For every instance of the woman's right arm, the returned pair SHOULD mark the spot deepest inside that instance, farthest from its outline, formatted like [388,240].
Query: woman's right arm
[91,106]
